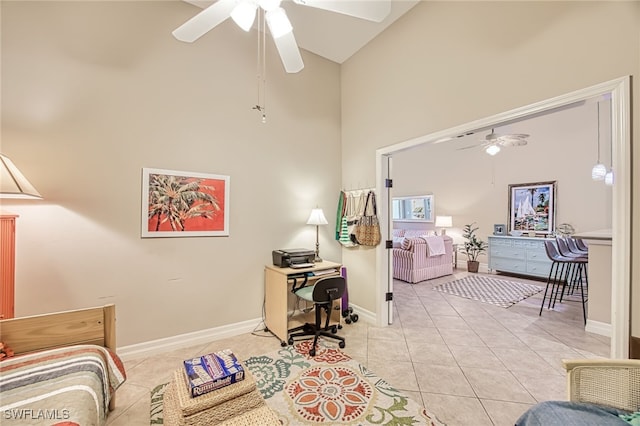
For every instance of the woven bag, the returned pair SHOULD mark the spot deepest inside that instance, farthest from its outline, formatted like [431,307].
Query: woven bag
[367,230]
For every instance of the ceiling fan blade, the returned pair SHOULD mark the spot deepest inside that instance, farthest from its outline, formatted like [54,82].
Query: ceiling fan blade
[371,10]
[289,52]
[204,21]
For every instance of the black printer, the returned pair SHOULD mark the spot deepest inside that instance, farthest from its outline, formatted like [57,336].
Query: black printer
[286,258]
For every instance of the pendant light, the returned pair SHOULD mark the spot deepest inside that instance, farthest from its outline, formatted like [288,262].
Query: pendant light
[609,177]
[599,170]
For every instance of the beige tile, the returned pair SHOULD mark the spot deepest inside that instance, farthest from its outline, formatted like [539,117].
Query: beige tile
[523,360]
[153,371]
[544,386]
[137,414]
[504,413]
[461,337]
[445,322]
[126,395]
[401,375]
[500,339]
[423,335]
[496,384]
[384,350]
[429,353]
[475,356]
[443,379]
[456,410]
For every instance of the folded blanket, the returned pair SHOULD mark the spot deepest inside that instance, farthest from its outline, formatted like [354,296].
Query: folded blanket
[435,245]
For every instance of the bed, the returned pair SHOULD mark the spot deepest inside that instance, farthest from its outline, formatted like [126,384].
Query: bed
[65,369]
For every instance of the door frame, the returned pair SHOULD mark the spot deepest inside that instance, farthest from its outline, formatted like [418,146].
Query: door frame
[620,92]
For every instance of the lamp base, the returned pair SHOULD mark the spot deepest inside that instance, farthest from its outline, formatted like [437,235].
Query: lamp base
[317,259]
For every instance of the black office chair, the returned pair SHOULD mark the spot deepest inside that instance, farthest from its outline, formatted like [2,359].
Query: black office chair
[321,294]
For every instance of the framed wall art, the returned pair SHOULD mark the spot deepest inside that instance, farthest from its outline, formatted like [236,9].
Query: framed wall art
[184,204]
[532,207]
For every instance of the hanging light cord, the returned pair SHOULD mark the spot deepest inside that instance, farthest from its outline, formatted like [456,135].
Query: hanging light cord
[262,67]
[598,106]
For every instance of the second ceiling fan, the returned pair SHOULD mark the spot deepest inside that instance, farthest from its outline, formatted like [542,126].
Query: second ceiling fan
[244,12]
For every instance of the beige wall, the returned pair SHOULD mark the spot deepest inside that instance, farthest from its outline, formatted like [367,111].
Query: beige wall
[92,92]
[448,63]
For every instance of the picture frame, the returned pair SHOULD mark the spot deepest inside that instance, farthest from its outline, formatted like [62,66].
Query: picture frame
[417,208]
[200,209]
[499,229]
[532,207]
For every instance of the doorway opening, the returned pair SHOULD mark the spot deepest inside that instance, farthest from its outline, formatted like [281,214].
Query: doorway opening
[618,91]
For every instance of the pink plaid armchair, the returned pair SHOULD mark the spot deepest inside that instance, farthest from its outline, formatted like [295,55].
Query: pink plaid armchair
[411,259]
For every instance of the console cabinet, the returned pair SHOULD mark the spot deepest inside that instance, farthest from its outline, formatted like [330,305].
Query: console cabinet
[519,255]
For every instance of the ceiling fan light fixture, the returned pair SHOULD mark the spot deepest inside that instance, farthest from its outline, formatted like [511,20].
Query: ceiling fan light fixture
[269,5]
[492,149]
[278,22]
[244,14]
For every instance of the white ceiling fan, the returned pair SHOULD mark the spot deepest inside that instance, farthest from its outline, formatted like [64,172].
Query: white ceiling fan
[243,12]
[493,142]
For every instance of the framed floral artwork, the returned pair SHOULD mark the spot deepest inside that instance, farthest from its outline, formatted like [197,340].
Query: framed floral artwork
[532,207]
[184,204]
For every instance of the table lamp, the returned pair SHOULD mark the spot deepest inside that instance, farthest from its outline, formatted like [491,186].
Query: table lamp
[317,218]
[444,222]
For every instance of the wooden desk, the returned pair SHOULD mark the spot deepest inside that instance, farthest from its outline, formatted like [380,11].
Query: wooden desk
[279,300]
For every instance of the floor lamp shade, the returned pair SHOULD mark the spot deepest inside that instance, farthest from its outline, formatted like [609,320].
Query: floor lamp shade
[13,184]
[317,218]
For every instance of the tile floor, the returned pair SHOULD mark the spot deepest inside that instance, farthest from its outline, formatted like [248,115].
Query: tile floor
[468,362]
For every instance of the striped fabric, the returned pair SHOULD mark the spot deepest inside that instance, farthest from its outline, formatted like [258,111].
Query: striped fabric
[414,266]
[70,384]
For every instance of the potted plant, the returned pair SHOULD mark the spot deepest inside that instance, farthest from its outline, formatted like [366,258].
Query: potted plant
[473,246]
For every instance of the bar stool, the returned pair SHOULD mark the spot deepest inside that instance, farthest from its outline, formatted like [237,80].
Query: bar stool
[564,247]
[581,245]
[572,243]
[567,269]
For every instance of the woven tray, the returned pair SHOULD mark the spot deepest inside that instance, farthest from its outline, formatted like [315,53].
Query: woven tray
[213,415]
[190,405]
[262,416]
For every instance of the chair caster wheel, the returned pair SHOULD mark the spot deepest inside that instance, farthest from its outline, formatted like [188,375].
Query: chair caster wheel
[347,320]
[290,341]
[341,344]
[312,352]
[334,329]
[354,317]
[339,326]
[283,343]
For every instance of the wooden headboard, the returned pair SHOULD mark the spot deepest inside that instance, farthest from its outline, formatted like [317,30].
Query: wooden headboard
[96,326]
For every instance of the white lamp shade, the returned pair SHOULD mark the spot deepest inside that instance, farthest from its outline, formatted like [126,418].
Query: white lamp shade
[278,22]
[244,14]
[598,172]
[317,218]
[13,184]
[609,178]
[492,149]
[444,222]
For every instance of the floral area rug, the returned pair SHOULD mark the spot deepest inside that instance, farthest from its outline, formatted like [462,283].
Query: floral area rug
[330,388]
[490,290]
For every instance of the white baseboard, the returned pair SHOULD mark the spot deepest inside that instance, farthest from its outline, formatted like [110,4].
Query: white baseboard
[364,315]
[167,344]
[597,327]
[202,337]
